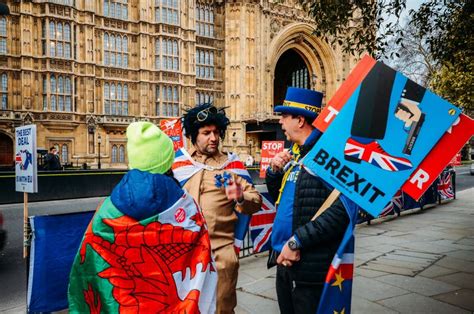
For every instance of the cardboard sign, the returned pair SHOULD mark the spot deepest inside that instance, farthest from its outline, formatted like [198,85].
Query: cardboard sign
[174,129]
[26,176]
[439,157]
[269,150]
[377,138]
[435,162]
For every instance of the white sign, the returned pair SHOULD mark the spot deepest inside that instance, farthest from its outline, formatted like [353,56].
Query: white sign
[26,177]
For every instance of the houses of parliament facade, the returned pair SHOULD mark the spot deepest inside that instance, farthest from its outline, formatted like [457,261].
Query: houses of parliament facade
[83,70]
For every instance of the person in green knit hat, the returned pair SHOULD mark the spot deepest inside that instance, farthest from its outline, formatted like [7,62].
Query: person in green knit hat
[147,248]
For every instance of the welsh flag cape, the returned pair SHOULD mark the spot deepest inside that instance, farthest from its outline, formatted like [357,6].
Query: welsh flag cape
[159,264]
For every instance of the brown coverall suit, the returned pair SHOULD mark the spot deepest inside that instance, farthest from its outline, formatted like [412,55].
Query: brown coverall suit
[220,218]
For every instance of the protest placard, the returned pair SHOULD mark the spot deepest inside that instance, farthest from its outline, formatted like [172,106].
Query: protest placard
[174,129]
[377,131]
[269,150]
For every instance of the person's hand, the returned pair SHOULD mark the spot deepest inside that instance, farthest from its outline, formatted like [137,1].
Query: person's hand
[287,256]
[410,117]
[234,191]
[280,160]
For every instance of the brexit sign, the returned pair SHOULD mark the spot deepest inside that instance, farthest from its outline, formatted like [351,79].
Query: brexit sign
[377,131]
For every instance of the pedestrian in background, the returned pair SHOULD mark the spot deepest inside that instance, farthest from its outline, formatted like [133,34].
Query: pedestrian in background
[52,161]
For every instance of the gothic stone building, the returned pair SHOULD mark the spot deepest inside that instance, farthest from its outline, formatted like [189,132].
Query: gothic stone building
[82,70]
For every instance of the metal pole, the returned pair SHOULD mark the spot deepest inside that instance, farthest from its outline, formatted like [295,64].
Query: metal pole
[99,156]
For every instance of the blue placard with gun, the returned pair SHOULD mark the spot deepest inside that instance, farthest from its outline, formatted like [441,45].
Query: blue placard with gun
[383,132]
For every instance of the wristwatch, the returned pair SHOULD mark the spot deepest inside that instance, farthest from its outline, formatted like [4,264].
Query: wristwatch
[293,244]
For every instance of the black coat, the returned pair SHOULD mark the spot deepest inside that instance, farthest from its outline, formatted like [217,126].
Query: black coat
[52,162]
[320,238]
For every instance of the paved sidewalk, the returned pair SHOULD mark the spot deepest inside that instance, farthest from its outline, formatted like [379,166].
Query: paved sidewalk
[422,262]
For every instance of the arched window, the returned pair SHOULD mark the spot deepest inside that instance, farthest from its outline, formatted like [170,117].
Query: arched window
[204,64]
[59,39]
[115,99]
[3,35]
[106,98]
[117,9]
[114,154]
[4,91]
[125,100]
[204,20]
[60,93]
[115,50]
[169,101]
[119,99]
[170,55]
[64,154]
[167,11]
[121,154]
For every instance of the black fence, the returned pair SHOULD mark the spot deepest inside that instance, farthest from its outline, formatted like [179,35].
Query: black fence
[57,185]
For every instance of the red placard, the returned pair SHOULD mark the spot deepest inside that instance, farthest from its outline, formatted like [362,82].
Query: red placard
[269,150]
[173,128]
[439,157]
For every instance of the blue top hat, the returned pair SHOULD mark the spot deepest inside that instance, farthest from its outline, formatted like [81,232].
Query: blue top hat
[300,101]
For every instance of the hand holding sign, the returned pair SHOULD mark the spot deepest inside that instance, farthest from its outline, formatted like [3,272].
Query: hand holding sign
[280,160]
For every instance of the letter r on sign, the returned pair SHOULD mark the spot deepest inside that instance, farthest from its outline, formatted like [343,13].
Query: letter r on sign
[420,177]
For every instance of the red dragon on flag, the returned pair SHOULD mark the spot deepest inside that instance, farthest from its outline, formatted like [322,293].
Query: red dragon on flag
[160,264]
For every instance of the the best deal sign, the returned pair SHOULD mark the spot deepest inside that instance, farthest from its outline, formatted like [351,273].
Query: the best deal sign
[25,159]
[269,150]
[378,129]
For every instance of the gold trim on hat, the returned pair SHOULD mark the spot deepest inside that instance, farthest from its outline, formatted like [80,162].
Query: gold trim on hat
[295,104]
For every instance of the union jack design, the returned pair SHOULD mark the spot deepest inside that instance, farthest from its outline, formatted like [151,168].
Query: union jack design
[395,205]
[184,167]
[374,155]
[445,186]
[262,222]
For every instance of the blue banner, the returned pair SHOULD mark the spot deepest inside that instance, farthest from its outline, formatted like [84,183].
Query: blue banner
[55,241]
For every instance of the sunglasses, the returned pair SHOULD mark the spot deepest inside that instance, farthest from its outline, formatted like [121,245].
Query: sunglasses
[203,114]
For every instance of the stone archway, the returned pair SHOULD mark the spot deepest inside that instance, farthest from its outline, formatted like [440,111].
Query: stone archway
[6,151]
[317,55]
[291,70]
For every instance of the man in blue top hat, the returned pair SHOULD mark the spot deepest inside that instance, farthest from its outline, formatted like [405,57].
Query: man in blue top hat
[303,249]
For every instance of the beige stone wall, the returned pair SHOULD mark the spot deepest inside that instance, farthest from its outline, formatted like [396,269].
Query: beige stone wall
[250,36]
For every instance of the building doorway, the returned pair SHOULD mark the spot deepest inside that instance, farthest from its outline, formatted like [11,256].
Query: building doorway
[290,70]
[6,151]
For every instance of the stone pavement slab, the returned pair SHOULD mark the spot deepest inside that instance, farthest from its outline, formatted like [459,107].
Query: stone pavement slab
[462,298]
[462,254]
[436,271]
[363,306]
[463,280]
[415,303]
[249,303]
[456,264]
[372,290]
[425,286]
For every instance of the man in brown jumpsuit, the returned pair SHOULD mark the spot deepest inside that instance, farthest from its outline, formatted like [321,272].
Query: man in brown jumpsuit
[205,125]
